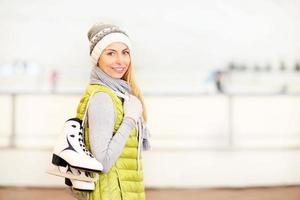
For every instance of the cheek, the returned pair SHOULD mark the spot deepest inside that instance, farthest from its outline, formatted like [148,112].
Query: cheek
[127,61]
[105,62]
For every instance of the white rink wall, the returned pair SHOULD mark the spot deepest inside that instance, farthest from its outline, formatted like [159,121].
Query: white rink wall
[198,141]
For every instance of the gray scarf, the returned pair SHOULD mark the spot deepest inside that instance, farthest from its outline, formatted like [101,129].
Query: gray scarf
[98,76]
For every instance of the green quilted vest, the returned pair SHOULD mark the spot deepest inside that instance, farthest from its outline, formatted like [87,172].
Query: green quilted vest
[122,182]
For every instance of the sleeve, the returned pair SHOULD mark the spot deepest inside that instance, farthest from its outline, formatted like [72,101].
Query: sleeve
[101,118]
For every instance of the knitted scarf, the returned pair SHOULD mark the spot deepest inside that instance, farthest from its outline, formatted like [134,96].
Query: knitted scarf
[98,76]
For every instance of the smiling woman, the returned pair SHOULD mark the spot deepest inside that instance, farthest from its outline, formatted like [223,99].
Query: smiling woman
[116,130]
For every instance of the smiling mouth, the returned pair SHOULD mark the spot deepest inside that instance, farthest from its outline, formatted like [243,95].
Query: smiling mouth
[119,69]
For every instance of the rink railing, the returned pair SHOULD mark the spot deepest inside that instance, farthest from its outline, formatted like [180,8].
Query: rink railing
[177,122]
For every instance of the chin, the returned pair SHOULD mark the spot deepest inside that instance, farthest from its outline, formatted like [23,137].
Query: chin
[118,76]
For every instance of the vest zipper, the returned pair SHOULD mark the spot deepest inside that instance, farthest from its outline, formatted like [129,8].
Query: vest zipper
[120,185]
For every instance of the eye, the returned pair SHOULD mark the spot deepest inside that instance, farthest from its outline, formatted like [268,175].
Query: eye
[110,53]
[126,52]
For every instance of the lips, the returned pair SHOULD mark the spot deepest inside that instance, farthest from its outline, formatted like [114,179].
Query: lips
[119,69]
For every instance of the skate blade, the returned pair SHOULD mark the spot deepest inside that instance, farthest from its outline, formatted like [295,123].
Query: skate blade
[71,176]
[83,190]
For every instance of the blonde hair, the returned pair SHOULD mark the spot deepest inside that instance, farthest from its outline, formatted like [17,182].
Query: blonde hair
[129,76]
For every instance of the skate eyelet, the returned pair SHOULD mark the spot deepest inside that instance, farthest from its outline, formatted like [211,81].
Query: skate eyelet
[74,126]
[72,135]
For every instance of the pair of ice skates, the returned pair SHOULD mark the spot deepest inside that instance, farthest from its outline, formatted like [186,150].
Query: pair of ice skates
[72,160]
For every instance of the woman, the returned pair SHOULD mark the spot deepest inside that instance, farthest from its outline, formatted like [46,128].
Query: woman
[115,132]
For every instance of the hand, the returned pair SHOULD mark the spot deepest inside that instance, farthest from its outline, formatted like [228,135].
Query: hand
[133,108]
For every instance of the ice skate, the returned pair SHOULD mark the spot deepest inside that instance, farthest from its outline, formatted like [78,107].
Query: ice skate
[71,150]
[72,173]
[80,185]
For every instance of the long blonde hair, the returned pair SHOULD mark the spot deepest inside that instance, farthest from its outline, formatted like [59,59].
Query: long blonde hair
[129,76]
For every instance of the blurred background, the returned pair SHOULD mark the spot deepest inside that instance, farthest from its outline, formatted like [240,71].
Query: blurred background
[221,81]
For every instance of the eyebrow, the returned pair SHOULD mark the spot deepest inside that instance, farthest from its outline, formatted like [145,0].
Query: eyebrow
[115,50]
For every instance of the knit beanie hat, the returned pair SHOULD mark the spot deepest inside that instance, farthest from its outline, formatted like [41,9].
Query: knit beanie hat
[101,35]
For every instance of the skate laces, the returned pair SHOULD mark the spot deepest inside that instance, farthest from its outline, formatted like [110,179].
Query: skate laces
[82,144]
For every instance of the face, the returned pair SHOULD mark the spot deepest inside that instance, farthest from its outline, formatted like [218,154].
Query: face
[115,60]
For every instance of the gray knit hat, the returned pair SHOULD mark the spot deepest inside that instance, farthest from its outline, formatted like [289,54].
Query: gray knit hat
[101,35]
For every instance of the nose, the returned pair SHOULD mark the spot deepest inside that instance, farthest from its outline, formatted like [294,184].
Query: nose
[120,58]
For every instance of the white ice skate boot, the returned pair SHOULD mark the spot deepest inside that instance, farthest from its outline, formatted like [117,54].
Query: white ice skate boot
[71,150]
[80,185]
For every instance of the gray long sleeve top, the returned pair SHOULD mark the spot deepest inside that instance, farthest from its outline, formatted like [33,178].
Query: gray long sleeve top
[105,146]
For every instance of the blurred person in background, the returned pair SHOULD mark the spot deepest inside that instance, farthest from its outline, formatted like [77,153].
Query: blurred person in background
[116,132]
